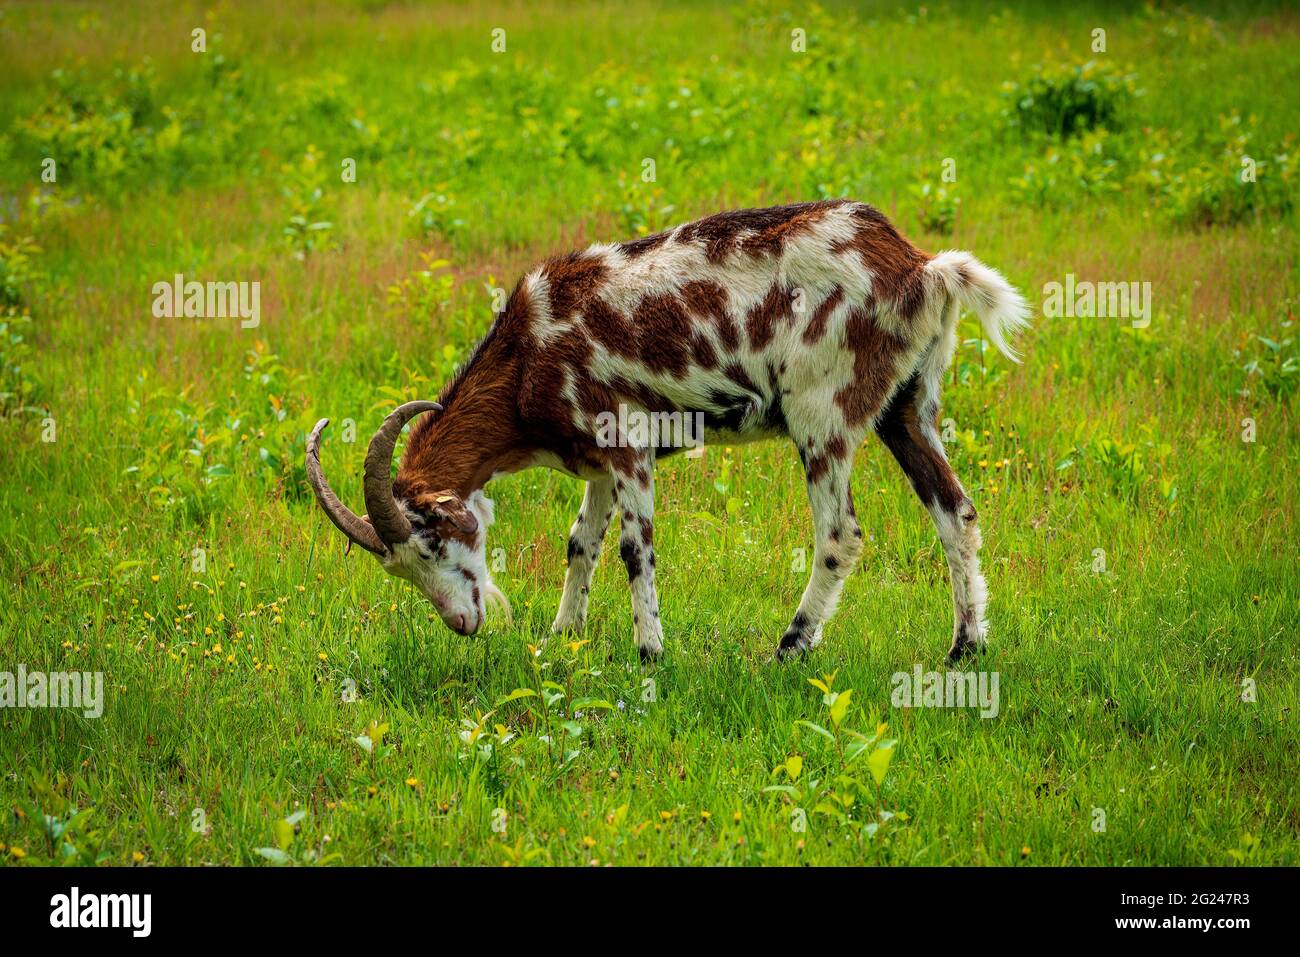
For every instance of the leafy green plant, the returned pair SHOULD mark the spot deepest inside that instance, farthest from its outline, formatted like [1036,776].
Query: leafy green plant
[58,825]
[841,792]
[1275,363]
[287,849]
[308,230]
[936,207]
[1063,101]
[18,267]
[17,386]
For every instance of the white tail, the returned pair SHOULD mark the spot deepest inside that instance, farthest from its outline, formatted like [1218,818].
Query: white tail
[1003,312]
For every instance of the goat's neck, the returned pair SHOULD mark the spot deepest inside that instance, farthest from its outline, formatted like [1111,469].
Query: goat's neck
[475,437]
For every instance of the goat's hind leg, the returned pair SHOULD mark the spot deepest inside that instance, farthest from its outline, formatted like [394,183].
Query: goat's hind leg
[585,539]
[907,427]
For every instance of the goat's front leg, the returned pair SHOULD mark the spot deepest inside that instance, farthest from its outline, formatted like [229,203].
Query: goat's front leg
[585,540]
[907,429]
[635,493]
[838,540]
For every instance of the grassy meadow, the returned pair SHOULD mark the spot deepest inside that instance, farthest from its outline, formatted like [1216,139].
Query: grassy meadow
[268,700]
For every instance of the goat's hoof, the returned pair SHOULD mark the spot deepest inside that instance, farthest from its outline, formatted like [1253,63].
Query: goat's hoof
[792,645]
[649,655]
[799,638]
[965,644]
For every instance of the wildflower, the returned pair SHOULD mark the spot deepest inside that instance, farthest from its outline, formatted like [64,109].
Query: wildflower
[588,841]
[705,815]
[137,857]
[323,657]
[18,853]
[412,782]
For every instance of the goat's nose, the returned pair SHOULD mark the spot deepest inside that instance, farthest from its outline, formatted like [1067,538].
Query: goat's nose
[460,623]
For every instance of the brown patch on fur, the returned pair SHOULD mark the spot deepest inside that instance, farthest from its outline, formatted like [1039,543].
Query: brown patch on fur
[770,240]
[663,328]
[723,233]
[610,328]
[639,247]
[837,447]
[821,316]
[928,471]
[817,467]
[896,265]
[874,368]
[761,322]
[574,280]
[709,300]
[702,351]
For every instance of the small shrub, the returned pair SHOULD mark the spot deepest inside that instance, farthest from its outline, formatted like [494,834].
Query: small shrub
[1067,100]
[308,229]
[1274,363]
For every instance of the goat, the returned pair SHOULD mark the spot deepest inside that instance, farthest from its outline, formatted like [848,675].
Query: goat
[815,321]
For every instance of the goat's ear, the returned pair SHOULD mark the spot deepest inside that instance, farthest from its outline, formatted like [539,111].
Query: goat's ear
[447,508]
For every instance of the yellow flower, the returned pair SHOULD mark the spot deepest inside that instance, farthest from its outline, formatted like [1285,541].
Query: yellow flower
[705,815]
[588,841]
[137,856]
[666,815]
[1024,851]
[372,790]
[736,817]
[323,657]
[412,782]
[153,578]
[18,853]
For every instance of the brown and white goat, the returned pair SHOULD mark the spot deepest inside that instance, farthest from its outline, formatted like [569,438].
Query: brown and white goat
[816,321]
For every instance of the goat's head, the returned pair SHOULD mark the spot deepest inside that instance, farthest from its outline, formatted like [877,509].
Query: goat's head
[433,538]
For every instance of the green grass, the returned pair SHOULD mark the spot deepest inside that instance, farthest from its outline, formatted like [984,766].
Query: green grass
[226,687]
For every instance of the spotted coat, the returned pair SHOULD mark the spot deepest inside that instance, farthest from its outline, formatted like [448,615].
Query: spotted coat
[816,322]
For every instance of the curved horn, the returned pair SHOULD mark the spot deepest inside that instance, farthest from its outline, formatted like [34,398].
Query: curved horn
[389,522]
[354,528]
